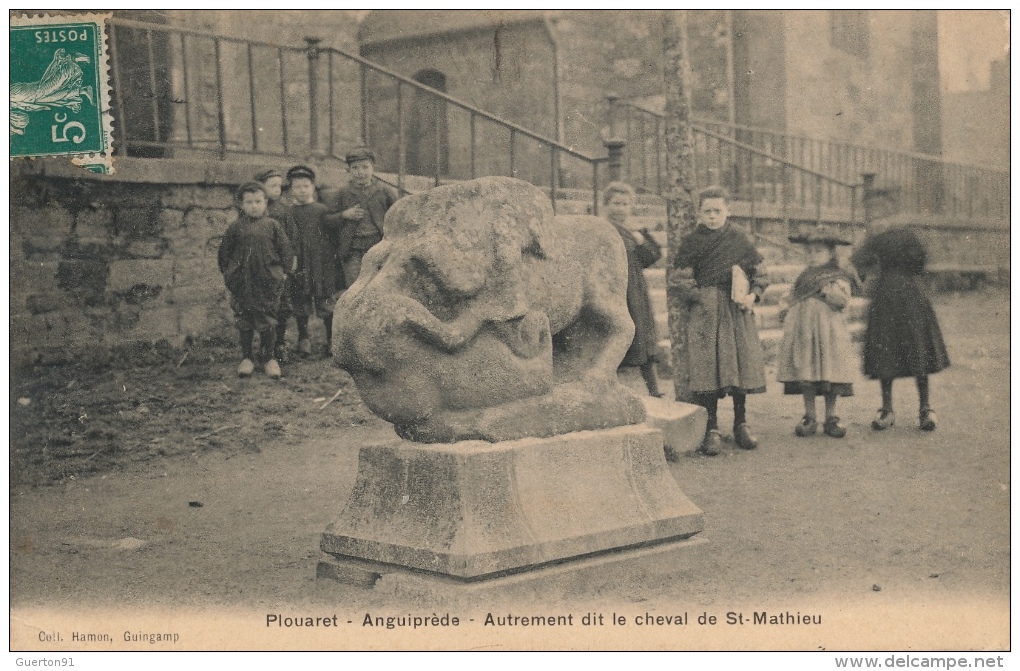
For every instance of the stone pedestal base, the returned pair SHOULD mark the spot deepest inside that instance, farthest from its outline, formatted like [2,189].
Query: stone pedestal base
[682,424]
[475,509]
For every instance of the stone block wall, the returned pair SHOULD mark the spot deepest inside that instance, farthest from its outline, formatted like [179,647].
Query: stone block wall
[99,261]
[620,51]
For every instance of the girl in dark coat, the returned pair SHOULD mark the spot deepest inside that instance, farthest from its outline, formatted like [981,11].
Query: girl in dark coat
[642,252]
[902,338]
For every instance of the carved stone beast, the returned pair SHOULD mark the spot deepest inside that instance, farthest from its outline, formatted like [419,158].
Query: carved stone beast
[480,315]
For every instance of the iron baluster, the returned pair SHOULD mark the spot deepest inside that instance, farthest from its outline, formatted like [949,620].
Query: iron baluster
[118,89]
[283,100]
[313,93]
[220,110]
[153,95]
[251,100]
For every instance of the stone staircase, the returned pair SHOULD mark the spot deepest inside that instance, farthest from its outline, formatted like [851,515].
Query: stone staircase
[782,263]
[770,328]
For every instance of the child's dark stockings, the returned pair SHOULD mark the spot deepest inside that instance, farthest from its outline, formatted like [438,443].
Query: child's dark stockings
[281,333]
[710,402]
[739,408]
[247,337]
[922,393]
[267,340]
[808,391]
[327,321]
[886,395]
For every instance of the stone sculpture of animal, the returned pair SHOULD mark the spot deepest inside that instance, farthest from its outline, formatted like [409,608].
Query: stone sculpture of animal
[480,315]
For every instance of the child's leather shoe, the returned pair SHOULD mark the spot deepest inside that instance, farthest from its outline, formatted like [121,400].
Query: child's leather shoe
[743,437]
[807,427]
[928,419]
[246,368]
[833,428]
[884,420]
[712,443]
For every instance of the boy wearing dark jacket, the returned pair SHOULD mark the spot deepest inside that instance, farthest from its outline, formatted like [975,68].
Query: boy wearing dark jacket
[313,289]
[362,206]
[254,257]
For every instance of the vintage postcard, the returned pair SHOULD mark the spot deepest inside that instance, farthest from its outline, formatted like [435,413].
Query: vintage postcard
[389,332]
[60,89]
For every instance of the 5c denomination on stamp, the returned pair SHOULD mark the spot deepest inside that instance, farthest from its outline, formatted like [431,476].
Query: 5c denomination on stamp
[60,90]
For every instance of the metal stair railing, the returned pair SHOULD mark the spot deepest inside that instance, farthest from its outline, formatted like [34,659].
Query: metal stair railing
[769,167]
[186,92]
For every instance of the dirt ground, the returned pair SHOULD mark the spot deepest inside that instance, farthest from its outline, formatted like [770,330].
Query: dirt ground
[162,481]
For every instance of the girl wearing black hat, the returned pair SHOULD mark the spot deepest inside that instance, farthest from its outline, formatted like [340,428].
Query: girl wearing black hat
[816,356]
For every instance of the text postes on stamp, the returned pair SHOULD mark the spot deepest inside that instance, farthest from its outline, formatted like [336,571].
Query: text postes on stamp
[60,92]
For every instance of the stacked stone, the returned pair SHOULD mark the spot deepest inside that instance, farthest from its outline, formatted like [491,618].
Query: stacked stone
[103,263]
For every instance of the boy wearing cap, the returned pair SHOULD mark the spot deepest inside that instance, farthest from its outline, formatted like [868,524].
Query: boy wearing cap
[254,256]
[272,182]
[362,206]
[313,286]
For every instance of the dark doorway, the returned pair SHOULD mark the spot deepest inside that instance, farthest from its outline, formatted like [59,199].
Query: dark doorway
[428,144]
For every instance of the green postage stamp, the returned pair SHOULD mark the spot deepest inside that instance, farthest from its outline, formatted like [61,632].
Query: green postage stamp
[60,89]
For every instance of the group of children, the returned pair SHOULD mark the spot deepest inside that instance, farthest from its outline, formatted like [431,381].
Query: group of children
[280,260]
[723,354]
[294,259]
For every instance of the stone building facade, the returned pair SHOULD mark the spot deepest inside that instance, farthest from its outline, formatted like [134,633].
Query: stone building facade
[98,261]
[548,71]
[977,124]
[868,77]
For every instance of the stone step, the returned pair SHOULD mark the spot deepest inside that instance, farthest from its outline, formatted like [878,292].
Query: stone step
[656,279]
[770,339]
[776,293]
[783,273]
[766,316]
[584,196]
[652,212]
